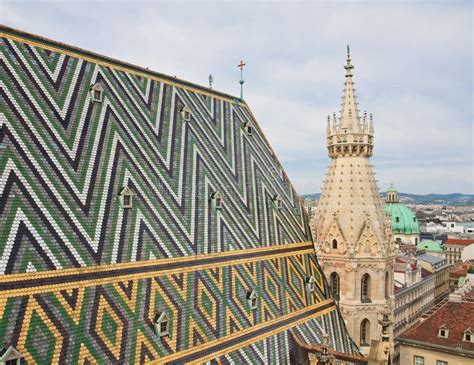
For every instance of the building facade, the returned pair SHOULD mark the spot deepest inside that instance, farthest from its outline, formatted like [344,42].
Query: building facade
[352,232]
[414,292]
[454,248]
[439,267]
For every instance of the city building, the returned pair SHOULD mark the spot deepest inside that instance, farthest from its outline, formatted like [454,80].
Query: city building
[405,228]
[444,337]
[440,268]
[414,292]
[353,234]
[146,219]
[454,249]
[458,276]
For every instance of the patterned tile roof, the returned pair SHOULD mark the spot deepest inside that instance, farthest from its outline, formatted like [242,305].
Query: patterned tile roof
[108,217]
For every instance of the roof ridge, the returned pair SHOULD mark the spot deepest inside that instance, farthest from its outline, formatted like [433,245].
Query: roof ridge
[114,61]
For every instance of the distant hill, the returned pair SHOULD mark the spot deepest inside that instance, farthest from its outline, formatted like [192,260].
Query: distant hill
[444,199]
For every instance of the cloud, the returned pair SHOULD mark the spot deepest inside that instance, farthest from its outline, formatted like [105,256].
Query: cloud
[413,71]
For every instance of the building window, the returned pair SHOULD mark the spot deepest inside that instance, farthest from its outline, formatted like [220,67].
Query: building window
[365,288]
[252,298]
[468,336]
[126,196]
[334,244]
[397,219]
[364,332]
[216,198]
[97,93]
[186,113]
[443,332]
[418,360]
[162,324]
[277,201]
[310,282]
[10,356]
[441,362]
[334,283]
[387,285]
[248,128]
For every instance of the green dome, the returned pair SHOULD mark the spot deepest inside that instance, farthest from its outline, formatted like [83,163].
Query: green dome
[430,246]
[403,219]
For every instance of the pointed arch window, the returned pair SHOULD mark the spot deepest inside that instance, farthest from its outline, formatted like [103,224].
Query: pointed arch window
[387,285]
[162,324]
[365,288]
[334,244]
[334,283]
[365,332]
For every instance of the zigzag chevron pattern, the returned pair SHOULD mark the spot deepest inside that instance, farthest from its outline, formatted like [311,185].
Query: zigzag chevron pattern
[64,161]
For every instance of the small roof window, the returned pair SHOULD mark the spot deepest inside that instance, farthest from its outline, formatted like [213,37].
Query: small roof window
[248,128]
[10,356]
[310,282]
[252,298]
[126,197]
[443,331]
[162,324]
[468,335]
[216,197]
[97,93]
[277,201]
[186,113]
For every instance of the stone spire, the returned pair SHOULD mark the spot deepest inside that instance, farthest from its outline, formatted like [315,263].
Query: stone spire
[350,136]
[349,115]
[352,232]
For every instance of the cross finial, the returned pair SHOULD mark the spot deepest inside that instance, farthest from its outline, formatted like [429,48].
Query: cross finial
[241,66]
[211,80]
[348,65]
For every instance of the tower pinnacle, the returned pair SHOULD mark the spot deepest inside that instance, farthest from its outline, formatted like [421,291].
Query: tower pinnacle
[350,135]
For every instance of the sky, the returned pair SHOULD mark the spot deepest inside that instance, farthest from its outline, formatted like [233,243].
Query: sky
[413,71]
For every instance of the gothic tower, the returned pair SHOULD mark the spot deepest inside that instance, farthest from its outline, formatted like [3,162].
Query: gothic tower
[352,231]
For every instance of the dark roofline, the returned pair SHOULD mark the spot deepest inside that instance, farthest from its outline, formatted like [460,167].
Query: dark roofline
[114,62]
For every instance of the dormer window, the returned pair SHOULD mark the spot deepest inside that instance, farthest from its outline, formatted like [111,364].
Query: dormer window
[468,336]
[248,128]
[252,298]
[216,197]
[310,282]
[277,201]
[397,219]
[126,197]
[186,113]
[162,324]
[97,93]
[443,331]
[10,356]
